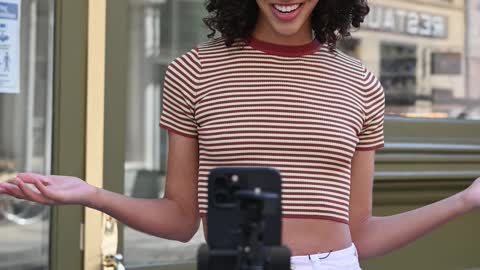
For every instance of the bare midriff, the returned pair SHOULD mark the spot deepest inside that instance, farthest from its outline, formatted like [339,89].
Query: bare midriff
[311,236]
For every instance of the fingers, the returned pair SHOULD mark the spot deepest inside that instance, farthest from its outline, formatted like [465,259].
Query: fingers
[30,178]
[13,190]
[30,194]
[19,189]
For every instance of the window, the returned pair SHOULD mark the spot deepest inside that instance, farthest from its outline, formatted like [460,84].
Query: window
[25,130]
[422,53]
[446,63]
[160,31]
[398,74]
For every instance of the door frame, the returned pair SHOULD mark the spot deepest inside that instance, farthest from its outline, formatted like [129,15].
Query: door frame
[68,153]
[116,84]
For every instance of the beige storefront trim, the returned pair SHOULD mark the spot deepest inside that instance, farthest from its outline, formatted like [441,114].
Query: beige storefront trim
[95,128]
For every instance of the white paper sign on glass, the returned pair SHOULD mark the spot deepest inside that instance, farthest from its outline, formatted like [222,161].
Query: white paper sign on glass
[10,46]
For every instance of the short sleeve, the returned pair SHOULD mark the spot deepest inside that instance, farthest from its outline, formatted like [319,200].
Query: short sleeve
[371,136]
[178,95]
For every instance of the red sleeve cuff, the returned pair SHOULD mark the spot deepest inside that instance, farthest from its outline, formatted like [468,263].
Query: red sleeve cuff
[177,132]
[376,147]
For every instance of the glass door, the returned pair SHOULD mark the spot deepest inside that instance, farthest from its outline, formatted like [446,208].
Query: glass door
[26,70]
[142,38]
[159,32]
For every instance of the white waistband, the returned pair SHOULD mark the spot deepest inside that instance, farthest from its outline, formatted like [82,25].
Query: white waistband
[337,254]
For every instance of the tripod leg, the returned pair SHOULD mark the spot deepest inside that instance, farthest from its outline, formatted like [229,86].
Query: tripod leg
[278,258]
[203,257]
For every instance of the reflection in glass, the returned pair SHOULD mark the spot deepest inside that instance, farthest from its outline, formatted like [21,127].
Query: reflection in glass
[160,31]
[419,52]
[426,58]
[25,140]
[398,73]
[446,63]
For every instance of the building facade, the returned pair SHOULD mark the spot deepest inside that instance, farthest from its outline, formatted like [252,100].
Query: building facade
[418,51]
[90,102]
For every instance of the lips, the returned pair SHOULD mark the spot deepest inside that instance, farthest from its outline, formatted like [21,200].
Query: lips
[286,12]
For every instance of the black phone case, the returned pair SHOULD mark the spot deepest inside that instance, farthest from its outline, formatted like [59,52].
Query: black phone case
[224,213]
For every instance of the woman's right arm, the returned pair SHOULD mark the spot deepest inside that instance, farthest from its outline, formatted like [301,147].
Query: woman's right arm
[173,217]
[176,215]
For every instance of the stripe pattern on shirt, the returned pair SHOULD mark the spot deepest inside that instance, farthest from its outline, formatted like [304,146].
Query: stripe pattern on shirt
[304,116]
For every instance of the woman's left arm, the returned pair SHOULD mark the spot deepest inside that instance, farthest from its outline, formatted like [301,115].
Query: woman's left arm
[375,236]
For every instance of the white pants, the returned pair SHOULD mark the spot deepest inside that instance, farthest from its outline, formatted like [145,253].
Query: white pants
[344,259]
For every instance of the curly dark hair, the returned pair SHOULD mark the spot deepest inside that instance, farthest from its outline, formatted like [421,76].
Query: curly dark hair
[331,19]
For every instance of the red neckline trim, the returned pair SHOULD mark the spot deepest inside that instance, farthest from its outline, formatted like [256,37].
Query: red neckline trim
[284,50]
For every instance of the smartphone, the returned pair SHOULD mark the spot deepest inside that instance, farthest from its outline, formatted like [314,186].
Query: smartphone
[228,189]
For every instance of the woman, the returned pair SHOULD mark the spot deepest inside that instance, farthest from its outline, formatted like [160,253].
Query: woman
[272,91]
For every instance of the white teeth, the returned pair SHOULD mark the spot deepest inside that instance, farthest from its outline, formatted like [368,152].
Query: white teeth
[286,9]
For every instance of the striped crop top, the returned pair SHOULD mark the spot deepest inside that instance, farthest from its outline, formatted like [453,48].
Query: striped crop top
[303,110]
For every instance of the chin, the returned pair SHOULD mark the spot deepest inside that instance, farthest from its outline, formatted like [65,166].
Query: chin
[287,30]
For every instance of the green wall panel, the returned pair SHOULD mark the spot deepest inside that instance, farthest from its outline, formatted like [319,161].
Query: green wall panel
[69,126]
[453,246]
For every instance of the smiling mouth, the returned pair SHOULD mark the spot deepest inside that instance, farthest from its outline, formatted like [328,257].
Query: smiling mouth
[286,9]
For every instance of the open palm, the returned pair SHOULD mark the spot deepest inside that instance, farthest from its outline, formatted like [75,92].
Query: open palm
[50,190]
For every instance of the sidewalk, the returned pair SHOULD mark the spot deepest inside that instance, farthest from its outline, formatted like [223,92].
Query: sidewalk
[26,247]
[23,247]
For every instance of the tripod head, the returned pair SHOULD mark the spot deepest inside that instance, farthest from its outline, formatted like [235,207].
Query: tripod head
[254,205]
[244,221]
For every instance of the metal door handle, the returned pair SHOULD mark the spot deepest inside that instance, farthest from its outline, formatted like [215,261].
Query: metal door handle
[114,262]
[111,259]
